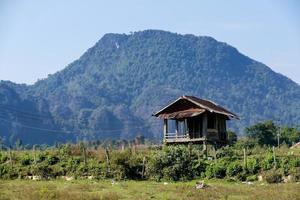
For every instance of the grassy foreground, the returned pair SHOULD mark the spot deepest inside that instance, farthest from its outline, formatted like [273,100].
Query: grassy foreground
[79,189]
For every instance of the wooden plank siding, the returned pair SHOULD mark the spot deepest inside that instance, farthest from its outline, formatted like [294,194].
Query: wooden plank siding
[194,120]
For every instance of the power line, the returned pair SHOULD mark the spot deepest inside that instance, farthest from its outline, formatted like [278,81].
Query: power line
[27,117]
[35,128]
[13,109]
[68,132]
[22,112]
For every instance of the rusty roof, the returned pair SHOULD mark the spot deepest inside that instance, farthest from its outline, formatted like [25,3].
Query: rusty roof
[182,113]
[201,106]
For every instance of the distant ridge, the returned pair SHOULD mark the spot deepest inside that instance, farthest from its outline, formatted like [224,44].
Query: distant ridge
[114,87]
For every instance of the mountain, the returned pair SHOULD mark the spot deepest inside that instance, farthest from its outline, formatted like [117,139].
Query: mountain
[114,87]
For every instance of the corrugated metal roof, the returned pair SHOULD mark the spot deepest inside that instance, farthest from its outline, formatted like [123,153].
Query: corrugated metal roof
[200,103]
[182,114]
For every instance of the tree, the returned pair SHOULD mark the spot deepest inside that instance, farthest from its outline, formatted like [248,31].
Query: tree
[1,143]
[264,133]
[231,137]
[289,135]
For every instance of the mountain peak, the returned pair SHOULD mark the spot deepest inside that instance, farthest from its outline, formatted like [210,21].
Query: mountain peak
[115,86]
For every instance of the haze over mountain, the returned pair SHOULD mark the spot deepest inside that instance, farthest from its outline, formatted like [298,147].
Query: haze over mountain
[114,87]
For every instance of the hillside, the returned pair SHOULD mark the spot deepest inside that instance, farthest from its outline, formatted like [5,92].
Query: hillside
[115,86]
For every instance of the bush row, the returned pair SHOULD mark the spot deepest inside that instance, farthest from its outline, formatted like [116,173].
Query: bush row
[171,163]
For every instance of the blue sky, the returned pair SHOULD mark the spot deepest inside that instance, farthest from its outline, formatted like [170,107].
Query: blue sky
[38,38]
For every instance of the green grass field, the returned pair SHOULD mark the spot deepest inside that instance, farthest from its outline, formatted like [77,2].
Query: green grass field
[87,189]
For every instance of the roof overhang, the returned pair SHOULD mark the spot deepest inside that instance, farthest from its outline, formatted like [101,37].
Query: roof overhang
[192,112]
[229,114]
[182,114]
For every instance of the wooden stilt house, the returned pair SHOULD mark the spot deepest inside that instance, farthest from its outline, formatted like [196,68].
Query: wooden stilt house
[193,120]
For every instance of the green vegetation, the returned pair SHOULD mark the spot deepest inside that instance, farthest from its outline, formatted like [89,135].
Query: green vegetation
[113,88]
[105,190]
[245,159]
[171,163]
[267,133]
[97,170]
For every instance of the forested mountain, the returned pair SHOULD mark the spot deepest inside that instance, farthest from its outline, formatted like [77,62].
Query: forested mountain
[115,86]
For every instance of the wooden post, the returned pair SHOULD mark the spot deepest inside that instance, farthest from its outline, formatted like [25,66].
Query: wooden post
[143,169]
[278,137]
[245,158]
[84,154]
[204,125]
[10,158]
[176,127]
[165,128]
[194,129]
[190,149]
[34,155]
[107,160]
[205,148]
[186,128]
[133,150]
[274,158]
[215,154]
[217,124]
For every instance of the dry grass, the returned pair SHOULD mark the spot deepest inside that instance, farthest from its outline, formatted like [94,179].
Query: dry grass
[31,190]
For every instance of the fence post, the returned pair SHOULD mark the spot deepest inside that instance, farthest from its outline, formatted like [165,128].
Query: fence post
[245,158]
[34,155]
[84,154]
[215,154]
[205,149]
[143,169]
[107,160]
[10,158]
[190,150]
[274,158]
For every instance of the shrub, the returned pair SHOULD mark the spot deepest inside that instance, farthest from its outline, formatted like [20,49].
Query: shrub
[216,170]
[96,169]
[273,176]
[225,152]
[251,178]
[26,160]
[172,163]
[81,170]
[3,157]
[43,170]
[70,166]
[294,162]
[295,173]
[57,170]
[126,165]
[233,169]
[198,167]
[7,172]
[284,164]
[252,166]
[268,162]
[156,163]
[52,159]
[247,143]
